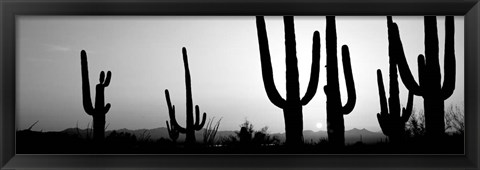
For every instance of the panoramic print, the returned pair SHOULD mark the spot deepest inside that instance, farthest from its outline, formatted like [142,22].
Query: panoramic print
[240,85]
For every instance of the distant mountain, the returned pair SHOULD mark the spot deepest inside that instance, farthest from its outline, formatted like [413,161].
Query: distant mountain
[351,136]
[363,135]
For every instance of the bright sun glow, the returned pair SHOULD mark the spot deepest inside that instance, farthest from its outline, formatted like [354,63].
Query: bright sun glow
[319,125]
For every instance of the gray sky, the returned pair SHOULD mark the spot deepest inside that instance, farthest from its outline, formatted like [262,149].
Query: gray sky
[144,55]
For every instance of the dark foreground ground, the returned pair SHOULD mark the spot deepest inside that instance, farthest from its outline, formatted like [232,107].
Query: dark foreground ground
[33,142]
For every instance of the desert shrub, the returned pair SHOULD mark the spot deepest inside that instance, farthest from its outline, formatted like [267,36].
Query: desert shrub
[247,136]
[210,132]
[263,138]
[455,120]
[246,133]
[121,138]
[416,124]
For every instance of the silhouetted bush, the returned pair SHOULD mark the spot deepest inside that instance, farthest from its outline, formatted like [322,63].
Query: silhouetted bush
[210,132]
[454,123]
[416,124]
[248,137]
[455,120]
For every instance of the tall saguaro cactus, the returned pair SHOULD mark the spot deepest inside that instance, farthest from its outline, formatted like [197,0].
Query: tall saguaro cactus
[429,86]
[392,124]
[292,105]
[98,113]
[191,125]
[335,110]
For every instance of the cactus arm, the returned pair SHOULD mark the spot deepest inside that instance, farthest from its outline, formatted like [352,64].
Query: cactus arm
[199,125]
[197,115]
[204,117]
[106,108]
[168,128]
[381,92]
[171,113]
[87,100]
[384,123]
[325,89]
[107,80]
[407,112]
[449,64]
[422,77]
[395,49]
[314,73]
[347,70]
[102,77]
[172,132]
[383,116]
[102,85]
[267,72]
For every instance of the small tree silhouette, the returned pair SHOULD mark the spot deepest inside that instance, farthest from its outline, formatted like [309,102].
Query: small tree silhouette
[246,133]
[248,137]
[415,126]
[455,120]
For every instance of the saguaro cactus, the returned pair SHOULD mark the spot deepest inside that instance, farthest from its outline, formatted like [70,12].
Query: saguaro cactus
[292,105]
[392,124]
[98,113]
[191,125]
[335,110]
[429,86]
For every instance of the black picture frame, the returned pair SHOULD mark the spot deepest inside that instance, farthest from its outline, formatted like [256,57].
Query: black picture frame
[9,9]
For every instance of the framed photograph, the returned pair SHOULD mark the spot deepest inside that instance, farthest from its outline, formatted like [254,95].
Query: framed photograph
[239,84]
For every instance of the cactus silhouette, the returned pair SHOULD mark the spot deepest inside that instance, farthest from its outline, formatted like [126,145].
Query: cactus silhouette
[172,132]
[429,86]
[392,124]
[98,113]
[191,125]
[292,105]
[335,110]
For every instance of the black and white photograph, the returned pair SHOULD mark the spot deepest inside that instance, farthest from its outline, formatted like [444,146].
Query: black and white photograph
[240,85]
